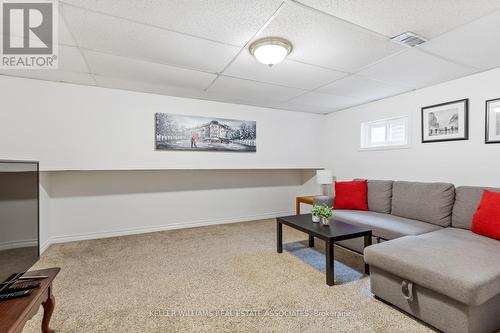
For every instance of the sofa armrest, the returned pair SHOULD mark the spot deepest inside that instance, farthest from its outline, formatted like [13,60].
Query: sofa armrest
[323,200]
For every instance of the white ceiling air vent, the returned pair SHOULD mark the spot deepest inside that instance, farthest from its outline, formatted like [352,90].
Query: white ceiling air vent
[408,39]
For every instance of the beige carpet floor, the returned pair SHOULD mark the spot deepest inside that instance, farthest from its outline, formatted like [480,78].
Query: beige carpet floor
[224,278]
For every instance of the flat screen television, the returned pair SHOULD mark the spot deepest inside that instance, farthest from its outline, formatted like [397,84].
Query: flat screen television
[19,219]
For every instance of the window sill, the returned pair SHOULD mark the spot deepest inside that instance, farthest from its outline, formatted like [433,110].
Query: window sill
[385,148]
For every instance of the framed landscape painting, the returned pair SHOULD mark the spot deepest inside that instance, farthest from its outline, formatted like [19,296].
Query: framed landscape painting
[193,133]
[493,121]
[446,122]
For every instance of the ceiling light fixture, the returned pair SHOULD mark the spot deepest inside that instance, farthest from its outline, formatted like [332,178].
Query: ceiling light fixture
[271,50]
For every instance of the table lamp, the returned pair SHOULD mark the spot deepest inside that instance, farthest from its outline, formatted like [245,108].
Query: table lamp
[325,179]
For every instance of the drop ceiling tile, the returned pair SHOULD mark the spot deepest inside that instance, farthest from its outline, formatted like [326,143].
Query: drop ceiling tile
[250,92]
[65,37]
[304,108]
[112,35]
[326,41]
[146,72]
[288,73]
[229,21]
[428,18]
[71,59]
[123,84]
[51,75]
[362,88]
[323,102]
[471,44]
[415,69]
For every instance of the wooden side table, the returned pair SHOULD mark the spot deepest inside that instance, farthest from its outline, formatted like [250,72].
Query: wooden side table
[308,199]
[15,312]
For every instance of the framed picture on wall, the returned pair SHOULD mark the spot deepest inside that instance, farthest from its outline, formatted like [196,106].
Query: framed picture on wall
[493,121]
[446,122]
[195,133]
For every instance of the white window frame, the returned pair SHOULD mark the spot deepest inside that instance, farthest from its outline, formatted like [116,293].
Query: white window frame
[365,134]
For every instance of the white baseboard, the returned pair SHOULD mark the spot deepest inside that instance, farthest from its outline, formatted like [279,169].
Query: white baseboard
[170,226]
[45,246]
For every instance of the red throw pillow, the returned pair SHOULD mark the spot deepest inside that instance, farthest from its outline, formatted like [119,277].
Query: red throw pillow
[486,221]
[351,195]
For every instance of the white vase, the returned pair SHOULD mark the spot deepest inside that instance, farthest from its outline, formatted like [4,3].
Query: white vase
[316,219]
[325,221]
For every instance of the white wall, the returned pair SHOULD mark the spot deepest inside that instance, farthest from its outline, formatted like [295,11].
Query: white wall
[95,204]
[96,150]
[469,162]
[71,127]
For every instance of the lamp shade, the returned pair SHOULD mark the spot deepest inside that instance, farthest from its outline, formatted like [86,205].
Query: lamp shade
[324,177]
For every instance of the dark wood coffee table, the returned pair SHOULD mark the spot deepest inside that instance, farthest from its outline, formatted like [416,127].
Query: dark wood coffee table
[335,232]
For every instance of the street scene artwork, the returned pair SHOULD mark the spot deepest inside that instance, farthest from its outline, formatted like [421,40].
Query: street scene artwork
[445,122]
[493,121]
[182,132]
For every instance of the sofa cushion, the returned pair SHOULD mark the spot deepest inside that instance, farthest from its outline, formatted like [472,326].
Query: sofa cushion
[351,195]
[486,221]
[384,225]
[466,202]
[427,202]
[455,262]
[379,195]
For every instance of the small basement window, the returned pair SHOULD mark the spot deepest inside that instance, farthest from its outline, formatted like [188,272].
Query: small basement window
[385,133]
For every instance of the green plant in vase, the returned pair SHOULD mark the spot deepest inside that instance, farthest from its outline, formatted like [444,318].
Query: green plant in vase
[315,213]
[325,213]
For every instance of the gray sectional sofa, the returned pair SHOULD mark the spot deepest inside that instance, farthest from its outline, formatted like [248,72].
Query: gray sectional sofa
[425,260]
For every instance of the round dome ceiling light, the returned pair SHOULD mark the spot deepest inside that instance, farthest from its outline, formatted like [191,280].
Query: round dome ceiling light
[271,50]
